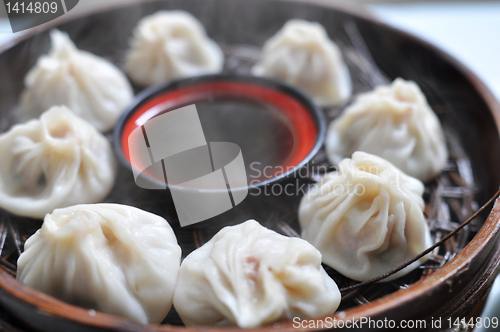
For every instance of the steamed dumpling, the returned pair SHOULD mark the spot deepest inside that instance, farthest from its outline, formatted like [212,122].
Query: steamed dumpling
[249,275]
[171,44]
[52,162]
[91,86]
[396,123]
[366,218]
[113,258]
[302,54]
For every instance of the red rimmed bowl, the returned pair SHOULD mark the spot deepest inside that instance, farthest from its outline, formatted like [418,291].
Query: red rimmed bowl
[278,128]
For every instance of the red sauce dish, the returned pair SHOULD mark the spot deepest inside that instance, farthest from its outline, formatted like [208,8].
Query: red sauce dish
[277,127]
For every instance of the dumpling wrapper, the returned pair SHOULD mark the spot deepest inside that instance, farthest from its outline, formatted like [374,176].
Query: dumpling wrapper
[169,45]
[366,218]
[302,54]
[109,257]
[91,86]
[250,276]
[52,162]
[394,122]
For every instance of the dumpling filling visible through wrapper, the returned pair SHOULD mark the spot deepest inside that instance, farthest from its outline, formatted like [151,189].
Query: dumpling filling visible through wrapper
[250,276]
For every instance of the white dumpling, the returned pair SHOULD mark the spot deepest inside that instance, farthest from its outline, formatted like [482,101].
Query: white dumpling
[109,257]
[366,218]
[91,86]
[52,162]
[250,276]
[302,54]
[394,122]
[168,45]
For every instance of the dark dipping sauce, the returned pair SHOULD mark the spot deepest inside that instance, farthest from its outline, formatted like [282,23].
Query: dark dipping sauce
[274,130]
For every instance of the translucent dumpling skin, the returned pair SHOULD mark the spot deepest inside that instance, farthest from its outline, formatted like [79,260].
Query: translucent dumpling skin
[91,86]
[394,122]
[366,218]
[52,162]
[168,45]
[302,54]
[109,257]
[250,276]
